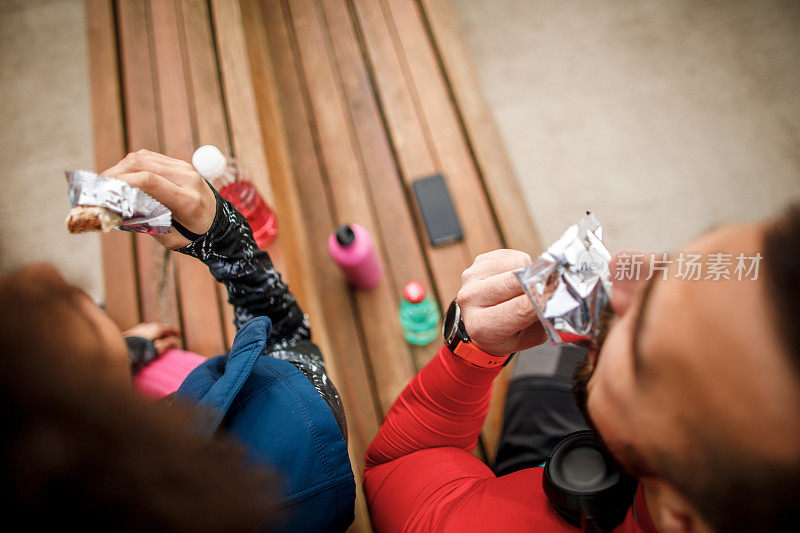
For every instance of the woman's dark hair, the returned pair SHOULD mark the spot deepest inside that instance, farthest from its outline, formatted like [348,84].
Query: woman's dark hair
[80,449]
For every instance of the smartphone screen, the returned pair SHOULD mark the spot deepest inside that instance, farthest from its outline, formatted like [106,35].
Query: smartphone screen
[438,213]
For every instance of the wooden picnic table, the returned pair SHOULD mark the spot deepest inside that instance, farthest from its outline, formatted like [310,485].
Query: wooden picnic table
[333,108]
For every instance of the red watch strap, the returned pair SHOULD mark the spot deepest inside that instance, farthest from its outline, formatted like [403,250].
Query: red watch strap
[472,354]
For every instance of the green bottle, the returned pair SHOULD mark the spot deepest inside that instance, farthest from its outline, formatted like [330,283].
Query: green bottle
[419,315]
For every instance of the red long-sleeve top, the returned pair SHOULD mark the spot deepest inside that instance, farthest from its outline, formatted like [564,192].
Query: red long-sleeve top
[420,473]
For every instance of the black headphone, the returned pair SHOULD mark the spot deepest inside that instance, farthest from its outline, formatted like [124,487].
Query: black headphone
[585,485]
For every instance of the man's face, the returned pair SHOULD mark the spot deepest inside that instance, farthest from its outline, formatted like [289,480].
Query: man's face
[687,360]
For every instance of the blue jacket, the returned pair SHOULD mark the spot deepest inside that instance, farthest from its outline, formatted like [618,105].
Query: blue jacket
[274,410]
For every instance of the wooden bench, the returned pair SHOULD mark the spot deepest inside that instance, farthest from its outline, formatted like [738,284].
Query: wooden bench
[333,107]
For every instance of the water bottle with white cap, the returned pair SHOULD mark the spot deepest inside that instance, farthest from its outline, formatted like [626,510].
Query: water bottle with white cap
[225,175]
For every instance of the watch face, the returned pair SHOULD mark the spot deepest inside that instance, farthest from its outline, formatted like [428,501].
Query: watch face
[450,322]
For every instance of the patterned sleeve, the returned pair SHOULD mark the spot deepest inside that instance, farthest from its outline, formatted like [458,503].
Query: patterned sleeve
[254,287]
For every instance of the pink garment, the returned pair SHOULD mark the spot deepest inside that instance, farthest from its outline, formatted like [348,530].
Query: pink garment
[164,375]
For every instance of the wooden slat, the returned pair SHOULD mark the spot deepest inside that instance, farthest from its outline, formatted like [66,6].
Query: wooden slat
[415,156]
[480,230]
[238,90]
[405,258]
[156,271]
[211,125]
[389,355]
[201,326]
[121,296]
[208,110]
[337,304]
[515,222]
[175,119]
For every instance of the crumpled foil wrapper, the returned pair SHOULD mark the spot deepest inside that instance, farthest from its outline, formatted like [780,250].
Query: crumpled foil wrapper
[569,284]
[140,212]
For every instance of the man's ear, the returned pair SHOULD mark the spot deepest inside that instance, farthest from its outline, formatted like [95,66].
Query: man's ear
[670,511]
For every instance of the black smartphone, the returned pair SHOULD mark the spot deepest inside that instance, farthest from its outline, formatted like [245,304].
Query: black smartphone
[438,213]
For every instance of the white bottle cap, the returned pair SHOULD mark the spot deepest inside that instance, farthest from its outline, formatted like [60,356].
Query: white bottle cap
[209,162]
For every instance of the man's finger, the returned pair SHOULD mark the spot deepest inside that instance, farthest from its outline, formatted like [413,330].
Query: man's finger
[516,314]
[530,337]
[497,262]
[491,291]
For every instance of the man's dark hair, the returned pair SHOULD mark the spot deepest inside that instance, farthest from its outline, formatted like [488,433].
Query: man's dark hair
[734,491]
[80,449]
[782,267]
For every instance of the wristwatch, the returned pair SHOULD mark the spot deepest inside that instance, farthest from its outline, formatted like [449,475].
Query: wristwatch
[457,339]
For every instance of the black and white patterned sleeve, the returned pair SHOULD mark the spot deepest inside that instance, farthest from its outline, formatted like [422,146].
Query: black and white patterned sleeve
[254,286]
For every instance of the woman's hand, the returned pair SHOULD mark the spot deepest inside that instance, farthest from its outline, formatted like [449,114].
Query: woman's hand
[164,337]
[175,184]
[497,314]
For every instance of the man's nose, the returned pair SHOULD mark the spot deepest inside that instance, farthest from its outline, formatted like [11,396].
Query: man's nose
[629,271]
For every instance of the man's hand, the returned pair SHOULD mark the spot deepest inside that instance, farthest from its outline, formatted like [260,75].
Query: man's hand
[175,184]
[498,316]
[164,337]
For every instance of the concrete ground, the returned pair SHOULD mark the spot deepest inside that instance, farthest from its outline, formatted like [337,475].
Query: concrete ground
[662,117]
[44,102]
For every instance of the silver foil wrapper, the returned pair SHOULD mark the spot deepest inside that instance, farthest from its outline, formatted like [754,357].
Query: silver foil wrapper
[140,212]
[569,284]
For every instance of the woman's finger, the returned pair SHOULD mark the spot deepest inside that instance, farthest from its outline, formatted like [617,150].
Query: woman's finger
[152,330]
[177,171]
[168,331]
[167,343]
[160,330]
[158,187]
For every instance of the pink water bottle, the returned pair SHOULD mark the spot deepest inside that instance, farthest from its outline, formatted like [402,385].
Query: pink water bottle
[352,248]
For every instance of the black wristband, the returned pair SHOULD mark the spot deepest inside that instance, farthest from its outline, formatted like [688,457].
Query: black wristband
[185,232]
[140,352]
[180,228]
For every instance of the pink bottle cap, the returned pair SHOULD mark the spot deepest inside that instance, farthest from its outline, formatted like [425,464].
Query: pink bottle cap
[414,292]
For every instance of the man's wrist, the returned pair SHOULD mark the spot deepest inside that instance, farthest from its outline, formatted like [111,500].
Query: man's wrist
[477,357]
[458,341]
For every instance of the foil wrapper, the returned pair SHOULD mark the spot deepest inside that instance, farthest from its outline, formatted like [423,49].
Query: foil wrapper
[140,212]
[569,284]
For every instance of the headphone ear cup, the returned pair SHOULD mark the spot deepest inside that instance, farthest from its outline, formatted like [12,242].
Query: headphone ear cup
[585,485]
